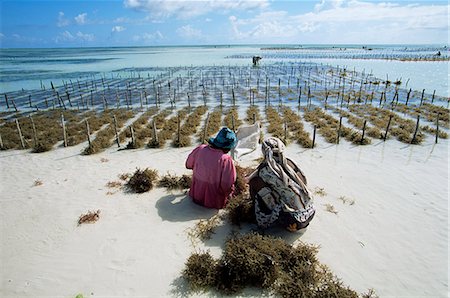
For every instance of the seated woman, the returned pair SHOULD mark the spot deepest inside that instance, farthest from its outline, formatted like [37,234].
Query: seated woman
[278,188]
[214,173]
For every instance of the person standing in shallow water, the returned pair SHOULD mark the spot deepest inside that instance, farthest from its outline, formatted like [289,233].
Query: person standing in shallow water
[213,169]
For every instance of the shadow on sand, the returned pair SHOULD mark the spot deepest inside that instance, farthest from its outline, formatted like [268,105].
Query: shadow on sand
[180,207]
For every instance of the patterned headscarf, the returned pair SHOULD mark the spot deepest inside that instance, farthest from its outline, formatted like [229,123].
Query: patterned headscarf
[273,151]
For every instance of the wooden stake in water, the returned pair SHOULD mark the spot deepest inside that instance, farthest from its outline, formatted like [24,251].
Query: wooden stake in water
[133,140]
[105,103]
[22,142]
[155,134]
[309,97]
[34,131]
[234,99]
[314,136]
[387,128]
[7,103]
[1,143]
[413,140]
[363,132]
[64,130]
[88,132]
[174,97]
[432,98]
[437,128]
[14,105]
[285,132]
[146,98]
[178,128]
[206,129]
[421,99]
[60,101]
[339,130]
[407,96]
[115,131]
[381,98]
[189,100]
[232,122]
[68,98]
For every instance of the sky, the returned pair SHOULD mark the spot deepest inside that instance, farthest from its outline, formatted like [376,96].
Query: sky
[98,23]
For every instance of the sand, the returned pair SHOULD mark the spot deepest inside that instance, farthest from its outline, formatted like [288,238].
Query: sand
[390,232]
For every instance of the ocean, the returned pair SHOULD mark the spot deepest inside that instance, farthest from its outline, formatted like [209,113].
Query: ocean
[30,69]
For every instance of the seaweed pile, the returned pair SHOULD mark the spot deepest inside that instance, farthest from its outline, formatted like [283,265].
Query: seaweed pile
[142,180]
[254,260]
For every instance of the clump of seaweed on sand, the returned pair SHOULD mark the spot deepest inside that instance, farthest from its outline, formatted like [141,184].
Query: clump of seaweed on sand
[330,128]
[253,114]
[41,138]
[103,138]
[171,126]
[189,128]
[171,181]
[275,127]
[295,126]
[269,263]
[89,217]
[142,180]
[139,131]
[204,228]
[157,123]
[212,125]
[231,119]
[358,122]
[240,209]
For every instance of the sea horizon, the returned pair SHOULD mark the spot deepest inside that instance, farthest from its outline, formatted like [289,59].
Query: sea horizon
[305,45]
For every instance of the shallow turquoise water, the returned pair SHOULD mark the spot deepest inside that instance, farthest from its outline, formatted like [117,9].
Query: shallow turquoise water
[27,68]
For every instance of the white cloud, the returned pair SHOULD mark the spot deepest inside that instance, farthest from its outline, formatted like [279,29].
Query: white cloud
[2,35]
[185,9]
[85,36]
[66,36]
[62,21]
[81,19]
[188,32]
[351,21]
[118,29]
[148,37]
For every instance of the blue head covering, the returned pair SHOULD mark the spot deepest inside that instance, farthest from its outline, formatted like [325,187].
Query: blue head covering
[225,139]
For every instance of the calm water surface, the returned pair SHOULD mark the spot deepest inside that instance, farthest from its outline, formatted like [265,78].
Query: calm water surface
[27,68]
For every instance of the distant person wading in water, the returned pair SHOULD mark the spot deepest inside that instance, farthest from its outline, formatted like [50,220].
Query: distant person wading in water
[214,173]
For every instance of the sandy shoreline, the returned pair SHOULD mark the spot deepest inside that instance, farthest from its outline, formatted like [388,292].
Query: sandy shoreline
[390,232]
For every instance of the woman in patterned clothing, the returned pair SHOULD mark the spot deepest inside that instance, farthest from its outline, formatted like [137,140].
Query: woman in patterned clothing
[278,188]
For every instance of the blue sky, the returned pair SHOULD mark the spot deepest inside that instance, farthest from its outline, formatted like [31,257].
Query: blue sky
[64,23]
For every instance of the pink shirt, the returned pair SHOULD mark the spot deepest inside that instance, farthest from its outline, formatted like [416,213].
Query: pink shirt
[213,177]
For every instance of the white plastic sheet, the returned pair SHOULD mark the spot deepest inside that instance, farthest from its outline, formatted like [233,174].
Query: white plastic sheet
[248,147]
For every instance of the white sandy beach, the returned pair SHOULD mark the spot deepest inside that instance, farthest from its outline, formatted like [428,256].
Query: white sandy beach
[393,238]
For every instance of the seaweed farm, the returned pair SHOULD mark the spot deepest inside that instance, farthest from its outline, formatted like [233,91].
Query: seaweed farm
[180,106]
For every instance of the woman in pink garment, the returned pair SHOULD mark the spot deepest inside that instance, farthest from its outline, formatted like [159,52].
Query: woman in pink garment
[214,173]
